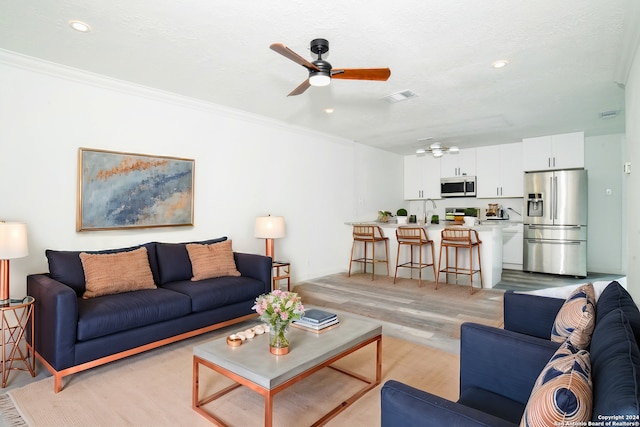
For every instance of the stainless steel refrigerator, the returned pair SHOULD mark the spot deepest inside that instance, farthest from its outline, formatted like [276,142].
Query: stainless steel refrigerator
[555,222]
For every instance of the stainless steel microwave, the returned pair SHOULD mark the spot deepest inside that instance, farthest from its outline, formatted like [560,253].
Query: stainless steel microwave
[459,186]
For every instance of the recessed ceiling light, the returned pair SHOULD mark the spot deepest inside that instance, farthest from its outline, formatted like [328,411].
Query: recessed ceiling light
[80,26]
[499,63]
[329,110]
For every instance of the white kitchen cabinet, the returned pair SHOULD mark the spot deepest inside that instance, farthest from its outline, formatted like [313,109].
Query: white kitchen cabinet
[499,171]
[463,163]
[421,177]
[563,151]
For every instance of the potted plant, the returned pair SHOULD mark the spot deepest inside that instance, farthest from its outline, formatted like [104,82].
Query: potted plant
[383,216]
[401,215]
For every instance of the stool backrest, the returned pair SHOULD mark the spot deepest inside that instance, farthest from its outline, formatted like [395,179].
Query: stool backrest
[411,234]
[367,232]
[460,236]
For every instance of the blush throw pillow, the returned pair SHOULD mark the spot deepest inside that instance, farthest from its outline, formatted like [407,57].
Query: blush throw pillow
[563,392]
[576,319]
[107,274]
[209,261]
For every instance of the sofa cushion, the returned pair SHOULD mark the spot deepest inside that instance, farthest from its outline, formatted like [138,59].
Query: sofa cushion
[615,359]
[107,274]
[615,296]
[114,313]
[173,260]
[209,261]
[221,291]
[66,266]
[576,318]
[562,395]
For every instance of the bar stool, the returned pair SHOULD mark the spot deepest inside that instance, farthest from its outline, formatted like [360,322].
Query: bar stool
[460,238]
[414,237]
[369,234]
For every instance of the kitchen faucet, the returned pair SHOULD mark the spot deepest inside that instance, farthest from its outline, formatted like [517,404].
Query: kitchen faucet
[424,208]
[513,210]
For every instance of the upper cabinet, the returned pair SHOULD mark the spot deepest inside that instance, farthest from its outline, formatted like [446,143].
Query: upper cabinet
[499,171]
[421,177]
[463,163]
[564,151]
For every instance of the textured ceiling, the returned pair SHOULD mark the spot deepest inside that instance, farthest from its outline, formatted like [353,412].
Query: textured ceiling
[565,60]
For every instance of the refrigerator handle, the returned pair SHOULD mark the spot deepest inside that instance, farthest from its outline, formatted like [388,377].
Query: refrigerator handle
[555,196]
[551,199]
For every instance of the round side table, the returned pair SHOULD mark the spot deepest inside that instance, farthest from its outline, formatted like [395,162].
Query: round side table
[16,317]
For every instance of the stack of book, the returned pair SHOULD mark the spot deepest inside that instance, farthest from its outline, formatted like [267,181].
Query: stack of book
[317,321]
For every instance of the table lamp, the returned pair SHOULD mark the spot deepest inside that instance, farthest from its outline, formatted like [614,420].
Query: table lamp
[269,227]
[13,244]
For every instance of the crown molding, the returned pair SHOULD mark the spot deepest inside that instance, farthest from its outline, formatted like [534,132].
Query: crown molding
[37,65]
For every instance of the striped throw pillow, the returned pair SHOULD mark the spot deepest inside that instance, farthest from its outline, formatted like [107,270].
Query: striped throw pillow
[562,394]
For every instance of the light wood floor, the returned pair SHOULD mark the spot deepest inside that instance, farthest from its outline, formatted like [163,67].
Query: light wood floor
[424,315]
[523,281]
[421,315]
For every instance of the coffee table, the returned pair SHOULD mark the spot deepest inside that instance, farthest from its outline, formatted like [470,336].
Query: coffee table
[253,366]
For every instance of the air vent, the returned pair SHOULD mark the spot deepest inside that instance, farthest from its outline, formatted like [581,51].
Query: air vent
[608,114]
[400,96]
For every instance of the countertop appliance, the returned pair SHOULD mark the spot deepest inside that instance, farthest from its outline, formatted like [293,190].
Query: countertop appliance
[555,222]
[495,212]
[459,186]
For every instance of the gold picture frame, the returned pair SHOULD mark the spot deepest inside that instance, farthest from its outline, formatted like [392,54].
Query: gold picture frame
[118,190]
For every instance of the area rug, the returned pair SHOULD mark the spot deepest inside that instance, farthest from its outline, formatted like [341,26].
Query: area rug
[154,389]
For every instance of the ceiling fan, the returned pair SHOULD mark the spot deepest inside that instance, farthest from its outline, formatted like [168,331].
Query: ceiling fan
[321,72]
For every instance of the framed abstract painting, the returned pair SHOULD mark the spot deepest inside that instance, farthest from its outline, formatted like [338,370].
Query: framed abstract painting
[126,190]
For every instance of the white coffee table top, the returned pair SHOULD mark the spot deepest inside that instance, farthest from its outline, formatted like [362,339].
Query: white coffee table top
[253,361]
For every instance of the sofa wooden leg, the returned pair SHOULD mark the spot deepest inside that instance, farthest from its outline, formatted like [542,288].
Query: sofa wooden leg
[57,383]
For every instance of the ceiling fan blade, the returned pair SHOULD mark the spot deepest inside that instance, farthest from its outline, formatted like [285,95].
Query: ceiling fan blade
[301,88]
[381,74]
[288,53]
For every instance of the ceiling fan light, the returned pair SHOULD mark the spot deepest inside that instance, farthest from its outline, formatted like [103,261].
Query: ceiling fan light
[319,80]
[420,151]
[435,146]
[454,149]
[437,153]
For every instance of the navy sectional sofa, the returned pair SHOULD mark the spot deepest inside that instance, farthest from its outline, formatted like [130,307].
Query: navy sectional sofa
[498,367]
[73,334]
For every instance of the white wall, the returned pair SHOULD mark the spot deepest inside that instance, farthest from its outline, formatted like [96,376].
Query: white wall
[246,166]
[606,247]
[632,154]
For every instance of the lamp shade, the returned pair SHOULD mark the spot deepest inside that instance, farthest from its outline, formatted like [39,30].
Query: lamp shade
[13,240]
[269,227]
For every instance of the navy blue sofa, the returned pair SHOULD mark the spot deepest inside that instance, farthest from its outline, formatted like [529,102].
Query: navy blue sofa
[73,334]
[498,367]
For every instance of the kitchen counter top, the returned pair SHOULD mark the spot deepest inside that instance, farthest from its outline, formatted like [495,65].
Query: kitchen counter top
[490,249]
[481,226]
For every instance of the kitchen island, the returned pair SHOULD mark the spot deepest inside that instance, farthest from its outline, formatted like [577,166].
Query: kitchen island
[490,253]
